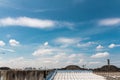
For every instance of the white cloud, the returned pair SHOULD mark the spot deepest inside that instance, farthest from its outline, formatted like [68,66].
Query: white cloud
[109,22]
[99,47]
[59,57]
[64,40]
[100,55]
[49,56]
[18,62]
[85,44]
[46,44]
[72,55]
[27,22]
[13,42]
[46,50]
[56,61]
[33,22]
[113,45]
[65,59]
[2,43]
[74,42]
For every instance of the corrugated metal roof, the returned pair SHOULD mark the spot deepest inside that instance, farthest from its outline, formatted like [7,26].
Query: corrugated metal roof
[76,75]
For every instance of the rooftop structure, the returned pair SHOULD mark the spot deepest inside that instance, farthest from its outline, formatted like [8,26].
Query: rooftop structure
[76,75]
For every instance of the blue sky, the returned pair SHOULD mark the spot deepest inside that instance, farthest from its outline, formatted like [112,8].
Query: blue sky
[57,33]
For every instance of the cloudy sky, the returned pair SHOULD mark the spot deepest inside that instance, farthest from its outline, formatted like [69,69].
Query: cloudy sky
[45,33]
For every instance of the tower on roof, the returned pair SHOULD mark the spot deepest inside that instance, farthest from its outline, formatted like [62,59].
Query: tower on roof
[108,62]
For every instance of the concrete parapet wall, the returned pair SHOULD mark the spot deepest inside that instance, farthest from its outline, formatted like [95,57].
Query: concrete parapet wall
[23,75]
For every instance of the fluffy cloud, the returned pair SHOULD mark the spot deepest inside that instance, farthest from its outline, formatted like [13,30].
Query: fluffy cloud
[44,51]
[55,61]
[99,47]
[14,42]
[100,55]
[113,45]
[2,43]
[18,62]
[109,22]
[61,59]
[46,44]
[57,56]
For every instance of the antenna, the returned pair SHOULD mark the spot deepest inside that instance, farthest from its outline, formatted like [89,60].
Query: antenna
[108,62]
[84,65]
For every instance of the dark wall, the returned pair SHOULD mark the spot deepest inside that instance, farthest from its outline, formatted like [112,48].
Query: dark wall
[108,68]
[22,75]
